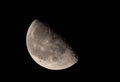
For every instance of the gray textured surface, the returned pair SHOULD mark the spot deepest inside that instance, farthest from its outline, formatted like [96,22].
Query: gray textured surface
[47,48]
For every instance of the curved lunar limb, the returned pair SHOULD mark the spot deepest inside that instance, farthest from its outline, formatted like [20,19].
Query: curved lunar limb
[47,48]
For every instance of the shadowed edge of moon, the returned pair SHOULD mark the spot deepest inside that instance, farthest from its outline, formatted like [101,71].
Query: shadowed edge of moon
[47,64]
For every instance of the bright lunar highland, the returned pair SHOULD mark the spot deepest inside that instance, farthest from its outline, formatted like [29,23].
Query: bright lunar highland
[47,48]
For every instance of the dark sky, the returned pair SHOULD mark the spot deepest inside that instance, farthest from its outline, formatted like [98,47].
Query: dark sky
[78,25]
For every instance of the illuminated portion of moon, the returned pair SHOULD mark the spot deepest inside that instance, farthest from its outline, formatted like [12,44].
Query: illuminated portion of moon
[47,48]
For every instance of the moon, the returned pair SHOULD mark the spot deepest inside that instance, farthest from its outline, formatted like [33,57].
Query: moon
[47,48]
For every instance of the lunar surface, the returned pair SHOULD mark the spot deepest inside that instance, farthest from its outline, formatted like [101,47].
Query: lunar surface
[47,48]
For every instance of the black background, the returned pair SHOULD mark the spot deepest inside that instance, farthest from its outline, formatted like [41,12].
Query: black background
[80,25]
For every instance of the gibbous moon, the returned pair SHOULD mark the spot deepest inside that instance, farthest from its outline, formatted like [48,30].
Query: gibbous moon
[47,48]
